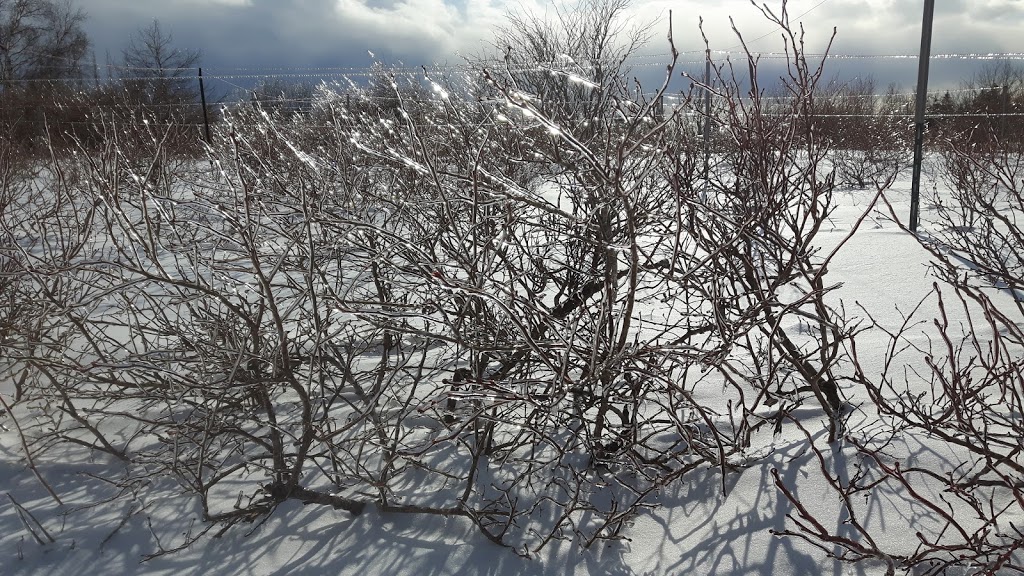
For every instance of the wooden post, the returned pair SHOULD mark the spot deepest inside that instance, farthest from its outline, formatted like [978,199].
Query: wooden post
[1005,100]
[202,98]
[707,125]
[922,101]
[707,116]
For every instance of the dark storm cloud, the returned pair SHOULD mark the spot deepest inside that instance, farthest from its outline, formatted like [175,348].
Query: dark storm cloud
[297,32]
[893,27]
[309,33]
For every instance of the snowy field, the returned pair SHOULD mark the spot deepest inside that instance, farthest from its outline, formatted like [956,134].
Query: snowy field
[702,524]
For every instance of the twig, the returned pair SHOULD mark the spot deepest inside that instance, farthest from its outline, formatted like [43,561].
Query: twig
[28,453]
[25,516]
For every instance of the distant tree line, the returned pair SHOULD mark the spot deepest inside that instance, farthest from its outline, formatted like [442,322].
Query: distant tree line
[987,109]
[50,81]
[52,89]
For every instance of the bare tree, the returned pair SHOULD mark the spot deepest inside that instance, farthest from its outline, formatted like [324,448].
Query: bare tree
[159,75]
[40,40]
[42,45]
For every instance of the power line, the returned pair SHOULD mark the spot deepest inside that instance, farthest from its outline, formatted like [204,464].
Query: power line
[777,28]
[446,125]
[309,100]
[266,72]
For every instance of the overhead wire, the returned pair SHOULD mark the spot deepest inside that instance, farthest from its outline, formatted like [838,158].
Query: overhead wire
[777,28]
[641,61]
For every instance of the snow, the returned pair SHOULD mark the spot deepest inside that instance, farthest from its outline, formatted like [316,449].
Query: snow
[703,524]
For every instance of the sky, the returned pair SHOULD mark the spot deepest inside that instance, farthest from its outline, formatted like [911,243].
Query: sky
[265,34]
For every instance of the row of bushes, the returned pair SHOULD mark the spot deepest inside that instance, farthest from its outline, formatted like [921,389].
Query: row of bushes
[528,317]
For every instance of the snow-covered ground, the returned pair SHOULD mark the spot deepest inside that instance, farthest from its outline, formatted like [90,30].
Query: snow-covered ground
[696,528]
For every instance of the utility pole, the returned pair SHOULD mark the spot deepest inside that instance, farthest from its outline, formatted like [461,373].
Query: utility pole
[922,101]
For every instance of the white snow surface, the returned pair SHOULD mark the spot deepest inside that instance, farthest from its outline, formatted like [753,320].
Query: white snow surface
[697,528]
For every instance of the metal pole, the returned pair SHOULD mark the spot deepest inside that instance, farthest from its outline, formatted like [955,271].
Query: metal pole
[1002,121]
[922,101]
[202,98]
[707,124]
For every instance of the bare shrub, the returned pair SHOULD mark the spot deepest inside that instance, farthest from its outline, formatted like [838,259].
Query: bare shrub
[765,282]
[963,403]
[481,308]
[869,133]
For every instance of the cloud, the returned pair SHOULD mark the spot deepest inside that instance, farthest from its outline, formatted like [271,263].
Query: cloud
[224,2]
[265,33]
[431,29]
